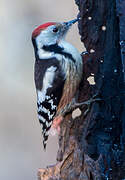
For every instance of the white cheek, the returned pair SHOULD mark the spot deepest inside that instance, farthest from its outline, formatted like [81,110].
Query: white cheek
[46,37]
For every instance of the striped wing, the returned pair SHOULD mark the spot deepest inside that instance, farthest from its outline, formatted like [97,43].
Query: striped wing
[49,81]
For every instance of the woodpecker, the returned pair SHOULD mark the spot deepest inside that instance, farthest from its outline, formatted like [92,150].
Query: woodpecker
[58,71]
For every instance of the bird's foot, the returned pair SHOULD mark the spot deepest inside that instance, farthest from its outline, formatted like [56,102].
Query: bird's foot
[73,105]
[69,107]
[88,103]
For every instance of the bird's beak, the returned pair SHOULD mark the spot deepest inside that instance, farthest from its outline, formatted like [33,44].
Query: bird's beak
[65,26]
[70,23]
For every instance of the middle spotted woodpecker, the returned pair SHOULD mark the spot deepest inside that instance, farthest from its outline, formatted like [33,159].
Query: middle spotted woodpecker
[58,72]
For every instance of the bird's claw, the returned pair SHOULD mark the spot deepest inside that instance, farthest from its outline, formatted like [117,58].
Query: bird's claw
[73,105]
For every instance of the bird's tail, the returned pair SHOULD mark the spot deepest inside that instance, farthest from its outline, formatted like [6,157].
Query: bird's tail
[45,138]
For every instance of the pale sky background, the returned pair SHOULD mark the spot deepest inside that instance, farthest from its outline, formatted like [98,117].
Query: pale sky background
[21,150]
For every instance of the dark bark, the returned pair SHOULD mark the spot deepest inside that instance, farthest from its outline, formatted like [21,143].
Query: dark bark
[92,147]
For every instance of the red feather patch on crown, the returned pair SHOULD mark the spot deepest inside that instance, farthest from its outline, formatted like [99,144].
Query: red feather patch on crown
[37,31]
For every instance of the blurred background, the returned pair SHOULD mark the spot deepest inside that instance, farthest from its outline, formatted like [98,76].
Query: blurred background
[21,150]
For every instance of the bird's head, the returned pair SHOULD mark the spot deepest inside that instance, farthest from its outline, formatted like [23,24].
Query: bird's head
[51,32]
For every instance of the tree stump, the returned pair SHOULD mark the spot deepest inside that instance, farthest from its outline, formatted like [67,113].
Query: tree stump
[92,146]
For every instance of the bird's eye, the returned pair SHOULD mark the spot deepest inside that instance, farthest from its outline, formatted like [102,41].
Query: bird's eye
[55,30]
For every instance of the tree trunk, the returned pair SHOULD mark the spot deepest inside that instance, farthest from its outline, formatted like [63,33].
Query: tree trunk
[92,146]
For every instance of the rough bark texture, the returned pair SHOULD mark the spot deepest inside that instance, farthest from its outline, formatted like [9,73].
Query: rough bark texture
[92,147]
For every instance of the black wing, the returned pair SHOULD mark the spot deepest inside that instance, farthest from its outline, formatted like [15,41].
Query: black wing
[49,81]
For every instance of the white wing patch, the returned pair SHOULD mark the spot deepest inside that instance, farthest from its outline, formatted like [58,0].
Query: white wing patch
[47,83]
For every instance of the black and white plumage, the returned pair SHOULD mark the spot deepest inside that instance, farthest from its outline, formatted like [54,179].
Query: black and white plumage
[49,84]
[58,70]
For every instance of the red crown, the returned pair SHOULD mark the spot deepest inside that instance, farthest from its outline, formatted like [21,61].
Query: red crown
[37,31]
